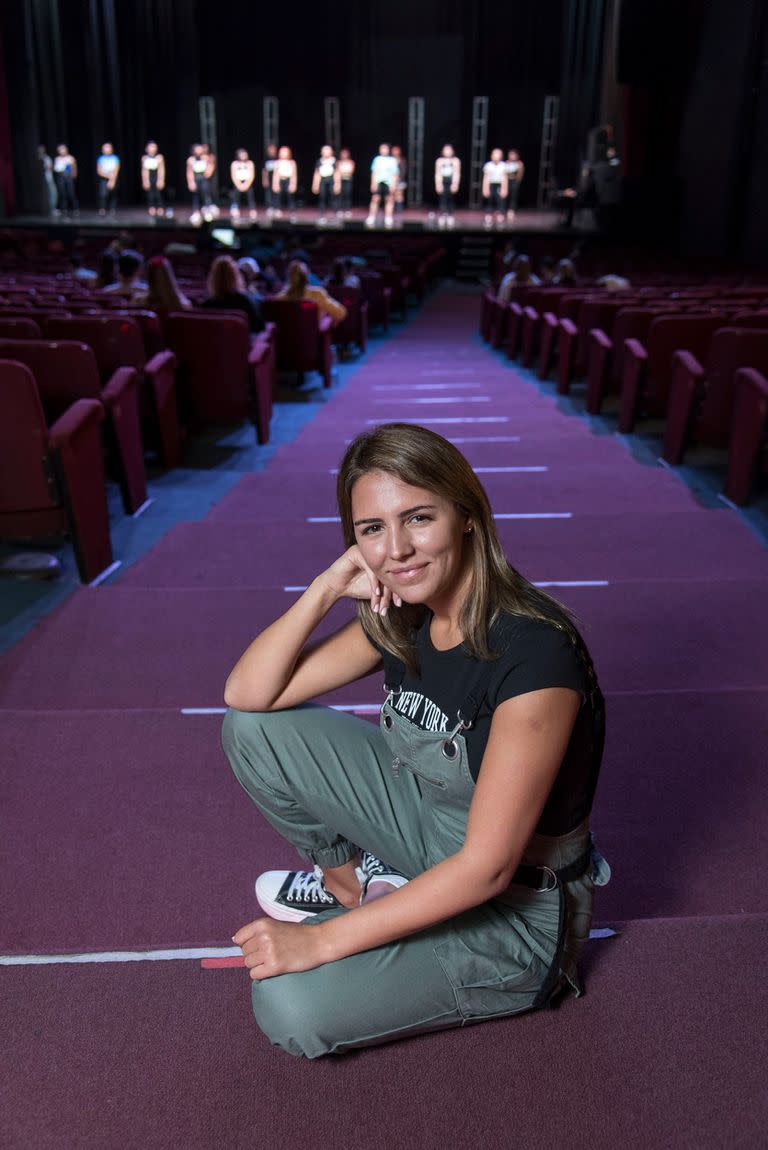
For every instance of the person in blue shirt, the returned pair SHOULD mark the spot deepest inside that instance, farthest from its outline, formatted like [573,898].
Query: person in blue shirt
[107,172]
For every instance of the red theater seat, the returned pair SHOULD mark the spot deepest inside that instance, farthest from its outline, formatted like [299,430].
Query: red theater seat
[13,327]
[221,377]
[52,481]
[117,341]
[67,371]
[303,336]
[748,445]
[606,350]
[701,399]
[354,328]
[378,297]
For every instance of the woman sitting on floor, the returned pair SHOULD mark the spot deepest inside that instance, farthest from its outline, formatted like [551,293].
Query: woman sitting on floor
[227,292]
[299,287]
[476,789]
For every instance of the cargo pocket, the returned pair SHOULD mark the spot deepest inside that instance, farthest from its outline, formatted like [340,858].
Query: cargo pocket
[489,984]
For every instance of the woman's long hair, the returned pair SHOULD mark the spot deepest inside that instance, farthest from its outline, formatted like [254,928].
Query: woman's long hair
[163,291]
[224,277]
[421,458]
[298,278]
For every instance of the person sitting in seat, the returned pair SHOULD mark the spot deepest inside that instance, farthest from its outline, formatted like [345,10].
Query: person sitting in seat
[547,270]
[565,275]
[251,273]
[299,287]
[128,284]
[520,275]
[342,275]
[227,292]
[163,292]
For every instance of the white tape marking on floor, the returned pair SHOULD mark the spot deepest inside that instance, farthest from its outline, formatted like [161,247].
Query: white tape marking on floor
[484,439]
[186,952]
[505,470]
[423,386]
[440,399]
[444,419]
[105,574]
[147,503]
[203,710]
[574,583]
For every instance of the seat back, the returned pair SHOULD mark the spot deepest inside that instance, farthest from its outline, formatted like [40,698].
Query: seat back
[298,343]
[212,376]
[730,348]
[13,327]
[116,340]
[24,484]
[64,371]
[668,334]
[630,323]
[348,331]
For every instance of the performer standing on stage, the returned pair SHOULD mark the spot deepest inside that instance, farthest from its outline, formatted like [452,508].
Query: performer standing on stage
[323,181]
[267,171]
[495,187]
[447,180]
[242,171]
[199,172]
[343,176]
[107,172]
[385,172]
[65,174]
[285,178]
[153,178]
[515,172]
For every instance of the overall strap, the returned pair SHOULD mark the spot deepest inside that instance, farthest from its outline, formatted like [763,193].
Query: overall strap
[473,701]
[394,672]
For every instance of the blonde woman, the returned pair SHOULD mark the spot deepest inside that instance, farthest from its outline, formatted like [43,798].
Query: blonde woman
[299,287]
[285,179]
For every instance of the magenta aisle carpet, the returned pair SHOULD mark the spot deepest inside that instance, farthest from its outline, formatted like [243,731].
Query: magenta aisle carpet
[122,829]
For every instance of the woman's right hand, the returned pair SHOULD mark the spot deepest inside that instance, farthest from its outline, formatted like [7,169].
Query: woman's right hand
[351,577]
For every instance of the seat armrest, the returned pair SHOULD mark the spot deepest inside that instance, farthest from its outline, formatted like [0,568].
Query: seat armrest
[161,361]
[687,362]
[568,327]
[635,349]
[325,323]
[598,336]
[124,380]
[83,414]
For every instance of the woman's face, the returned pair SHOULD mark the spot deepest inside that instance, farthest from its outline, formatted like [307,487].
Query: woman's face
[413,540]
[497,156]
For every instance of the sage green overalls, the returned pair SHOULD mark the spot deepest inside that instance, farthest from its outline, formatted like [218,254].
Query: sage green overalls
[330,782]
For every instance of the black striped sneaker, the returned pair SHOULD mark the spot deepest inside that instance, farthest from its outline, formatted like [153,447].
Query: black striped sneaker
[293,895]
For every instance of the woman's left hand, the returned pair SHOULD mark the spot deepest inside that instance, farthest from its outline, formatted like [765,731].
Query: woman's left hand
[272,947]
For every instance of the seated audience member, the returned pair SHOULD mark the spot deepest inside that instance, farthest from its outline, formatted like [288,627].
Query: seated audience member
[612,282]
[107,273]
[299,287]
[163,292]
[79,272]
[251,273]
[521,275]
[128,283]
[227,292]
[342,275]
[565,276]
[547,270]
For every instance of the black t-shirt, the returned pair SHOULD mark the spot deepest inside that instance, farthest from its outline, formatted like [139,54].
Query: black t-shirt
[534,655]
[238,301]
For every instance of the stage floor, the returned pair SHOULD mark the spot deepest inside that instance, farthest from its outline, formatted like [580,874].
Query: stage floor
[411,219]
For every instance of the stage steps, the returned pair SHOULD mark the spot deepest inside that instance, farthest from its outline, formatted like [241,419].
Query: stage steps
[474,260]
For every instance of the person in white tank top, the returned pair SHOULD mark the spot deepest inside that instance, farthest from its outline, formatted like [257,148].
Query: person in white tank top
[153,178]
[495,188]
[65,174]
[201,165]
[323,181]
[285,178]
[515,172]
[343,176]
[447,180]
[242,172]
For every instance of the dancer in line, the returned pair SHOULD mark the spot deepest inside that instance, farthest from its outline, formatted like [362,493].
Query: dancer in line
[495,188]
[385,172]
[447,180]
[476,789]
[267,172]
[402,178]
[107,174]
[65,175]
[515,172]
[242,172]
[49,197]
[200,168]
[285,179]
[343,177]
[323,179]
[153,178]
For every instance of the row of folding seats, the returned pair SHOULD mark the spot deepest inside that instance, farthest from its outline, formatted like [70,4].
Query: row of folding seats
[695,359]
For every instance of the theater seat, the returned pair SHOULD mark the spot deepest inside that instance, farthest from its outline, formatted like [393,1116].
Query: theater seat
[66,371]
[18,328]
[354,327]
[118,341]
[218,380]
[303,336]
[52,480]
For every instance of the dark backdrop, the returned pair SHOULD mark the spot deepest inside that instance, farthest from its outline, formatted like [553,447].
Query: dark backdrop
[82,71]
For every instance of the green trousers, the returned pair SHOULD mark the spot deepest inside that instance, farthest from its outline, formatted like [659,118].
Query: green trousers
[331,783]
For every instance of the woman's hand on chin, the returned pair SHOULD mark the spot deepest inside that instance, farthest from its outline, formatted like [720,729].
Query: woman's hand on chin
[271,948]
[351,577]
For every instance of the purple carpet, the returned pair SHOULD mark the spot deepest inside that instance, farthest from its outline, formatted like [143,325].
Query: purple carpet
[122,828]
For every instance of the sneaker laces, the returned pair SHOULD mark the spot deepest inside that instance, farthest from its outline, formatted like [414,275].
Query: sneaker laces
[307,886]
[373,866]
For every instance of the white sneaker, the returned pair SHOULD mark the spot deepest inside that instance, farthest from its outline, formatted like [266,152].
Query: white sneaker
[292,896]
[370,222]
